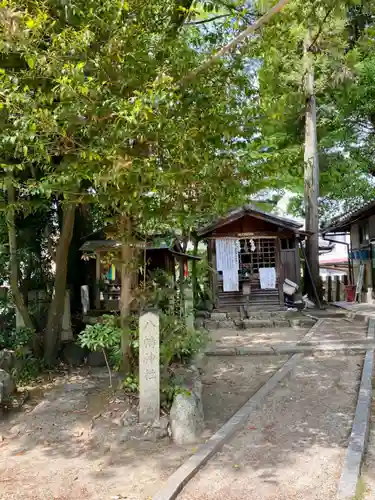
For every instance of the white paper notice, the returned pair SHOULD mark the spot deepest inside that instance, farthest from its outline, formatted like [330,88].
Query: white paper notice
[267,276]
[227,261]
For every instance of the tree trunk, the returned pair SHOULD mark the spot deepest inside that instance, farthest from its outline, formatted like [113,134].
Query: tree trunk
[77,268]
[311,177]
[182,280]
[181,276]
[194,277]
[56,309]
[12,236]
[127,266]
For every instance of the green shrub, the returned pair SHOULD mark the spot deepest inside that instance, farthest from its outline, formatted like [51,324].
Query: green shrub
[20,340]
[105,334]
[28,367]
[177,344]
[16,338]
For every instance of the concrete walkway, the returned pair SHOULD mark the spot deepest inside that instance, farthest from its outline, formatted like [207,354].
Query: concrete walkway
[357,310]
[329,334]
[294,444]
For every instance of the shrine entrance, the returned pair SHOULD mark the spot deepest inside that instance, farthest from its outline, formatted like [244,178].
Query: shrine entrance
[247,259]
[256,253]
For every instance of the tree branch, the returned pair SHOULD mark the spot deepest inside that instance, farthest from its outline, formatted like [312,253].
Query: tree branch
[315,39]
[231,45]
[13,262]
[204,21]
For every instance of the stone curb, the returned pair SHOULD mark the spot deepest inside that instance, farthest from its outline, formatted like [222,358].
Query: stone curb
[178,479]
[282,351]
[347,486]
[355,315]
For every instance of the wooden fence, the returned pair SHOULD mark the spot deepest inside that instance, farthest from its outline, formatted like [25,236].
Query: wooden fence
[334,288]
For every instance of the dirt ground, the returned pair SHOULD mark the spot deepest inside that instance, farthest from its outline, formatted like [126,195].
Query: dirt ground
[68,441]
[294,445]
[74,439]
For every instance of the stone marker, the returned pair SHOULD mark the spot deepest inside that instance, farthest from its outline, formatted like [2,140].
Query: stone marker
[149,368]
[66,332]
[85,299]
[189,308]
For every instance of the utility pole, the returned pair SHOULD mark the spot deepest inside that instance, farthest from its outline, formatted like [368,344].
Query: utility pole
[311,175]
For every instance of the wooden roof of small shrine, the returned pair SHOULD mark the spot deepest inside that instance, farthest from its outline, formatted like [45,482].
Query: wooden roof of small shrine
[101,241]
[252,211]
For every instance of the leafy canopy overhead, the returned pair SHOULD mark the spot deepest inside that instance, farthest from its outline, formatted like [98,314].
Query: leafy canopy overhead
[91,107]
[342,47]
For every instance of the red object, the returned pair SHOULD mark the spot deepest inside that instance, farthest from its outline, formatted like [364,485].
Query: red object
[186,270]
[350,292]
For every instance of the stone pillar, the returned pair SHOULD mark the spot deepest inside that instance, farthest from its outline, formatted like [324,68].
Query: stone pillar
[66,331]
[149,368]
[85,299]
[189,307]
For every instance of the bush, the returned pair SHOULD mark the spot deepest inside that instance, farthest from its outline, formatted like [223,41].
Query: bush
[16,338]
[104,335]
[19,340]
[7,319]
[177,344]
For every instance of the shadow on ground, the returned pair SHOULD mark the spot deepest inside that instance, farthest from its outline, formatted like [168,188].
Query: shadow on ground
[293,446]
[68,442]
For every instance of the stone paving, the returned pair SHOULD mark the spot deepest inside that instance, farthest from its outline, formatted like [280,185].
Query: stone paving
[294,443]
[293,446]
[337,332]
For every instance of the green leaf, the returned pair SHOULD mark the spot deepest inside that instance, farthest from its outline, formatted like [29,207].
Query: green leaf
[30,62]
[30,23]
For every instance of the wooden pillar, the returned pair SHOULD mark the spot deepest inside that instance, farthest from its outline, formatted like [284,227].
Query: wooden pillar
[279,274]
[338,283]
[194,277]
[298,263]
[329,288]
[97,281]
[214,291]
[311,174]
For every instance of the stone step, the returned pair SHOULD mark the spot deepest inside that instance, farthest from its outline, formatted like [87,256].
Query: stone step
[256,322]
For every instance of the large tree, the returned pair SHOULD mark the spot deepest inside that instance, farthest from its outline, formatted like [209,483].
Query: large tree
[342,50]
[92,110]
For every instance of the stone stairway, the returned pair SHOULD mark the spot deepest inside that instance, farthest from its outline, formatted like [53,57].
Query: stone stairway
[256,319]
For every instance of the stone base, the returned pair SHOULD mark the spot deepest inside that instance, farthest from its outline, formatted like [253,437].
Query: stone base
[186,417]
[7,387]
[262,319]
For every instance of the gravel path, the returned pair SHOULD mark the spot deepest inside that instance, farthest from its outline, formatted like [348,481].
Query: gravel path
[294,444]
[67,443]
[341,329]
[229,382]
